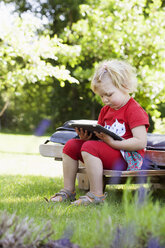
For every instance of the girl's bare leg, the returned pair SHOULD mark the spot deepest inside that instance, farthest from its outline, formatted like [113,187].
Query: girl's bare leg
[70,167]
[94,169]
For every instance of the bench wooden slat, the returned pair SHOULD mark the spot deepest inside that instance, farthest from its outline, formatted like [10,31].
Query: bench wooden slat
[156,156]
[158,180]
[135,173]
[51,150]
[140,173]
[55,150]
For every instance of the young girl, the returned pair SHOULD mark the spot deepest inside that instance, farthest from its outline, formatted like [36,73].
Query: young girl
[112,81]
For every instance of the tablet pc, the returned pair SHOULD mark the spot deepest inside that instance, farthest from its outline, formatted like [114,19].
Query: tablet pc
[95,127]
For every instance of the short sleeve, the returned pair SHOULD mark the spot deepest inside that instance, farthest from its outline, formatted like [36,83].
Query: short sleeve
[137,116]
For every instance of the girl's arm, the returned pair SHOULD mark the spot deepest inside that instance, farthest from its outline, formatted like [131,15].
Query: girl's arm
[137,142]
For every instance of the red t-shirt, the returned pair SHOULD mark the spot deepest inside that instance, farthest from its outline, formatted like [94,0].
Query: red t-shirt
[121,121]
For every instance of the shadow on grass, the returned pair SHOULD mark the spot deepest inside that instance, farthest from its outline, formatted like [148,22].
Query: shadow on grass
[38,186]
[28,186]
[25,193]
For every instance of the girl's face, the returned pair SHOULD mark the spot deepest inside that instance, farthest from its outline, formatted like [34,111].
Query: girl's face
[110,95]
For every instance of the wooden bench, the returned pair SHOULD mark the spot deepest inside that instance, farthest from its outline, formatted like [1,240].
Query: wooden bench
[156,177]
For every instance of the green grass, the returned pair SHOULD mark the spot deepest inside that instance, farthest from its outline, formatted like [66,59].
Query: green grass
[19,155]
[92,226]
[25,197]
[24,144]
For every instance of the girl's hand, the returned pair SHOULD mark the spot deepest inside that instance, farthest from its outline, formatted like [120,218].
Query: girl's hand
[137,142]
[83,134]
[105,137]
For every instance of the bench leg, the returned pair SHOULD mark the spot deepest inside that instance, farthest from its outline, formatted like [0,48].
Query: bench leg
[83,181]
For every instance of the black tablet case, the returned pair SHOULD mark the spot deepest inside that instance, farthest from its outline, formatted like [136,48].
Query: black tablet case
[95,127]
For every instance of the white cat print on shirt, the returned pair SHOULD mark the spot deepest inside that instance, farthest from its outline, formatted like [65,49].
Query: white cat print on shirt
[116,128]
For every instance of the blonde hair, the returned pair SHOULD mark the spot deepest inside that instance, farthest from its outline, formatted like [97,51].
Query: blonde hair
[122,74]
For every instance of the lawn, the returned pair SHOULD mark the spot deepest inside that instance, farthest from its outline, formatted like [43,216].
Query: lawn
[19,155]
[125,220]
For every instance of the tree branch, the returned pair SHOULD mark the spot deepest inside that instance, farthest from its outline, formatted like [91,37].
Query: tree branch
[4,108]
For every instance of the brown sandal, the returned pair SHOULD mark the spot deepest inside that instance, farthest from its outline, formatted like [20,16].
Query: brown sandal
[89,198]
[65,195]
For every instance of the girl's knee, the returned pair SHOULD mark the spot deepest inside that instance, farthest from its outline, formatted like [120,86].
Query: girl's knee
[72,148]
[85,154]
[89,148]
[70,144]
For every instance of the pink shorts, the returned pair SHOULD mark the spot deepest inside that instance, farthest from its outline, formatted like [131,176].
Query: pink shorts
[111,158]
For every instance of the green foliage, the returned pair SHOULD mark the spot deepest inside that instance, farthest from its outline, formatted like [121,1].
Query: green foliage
[27,75]
[24,56]
[130,30]
[36,65]
[59,13]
